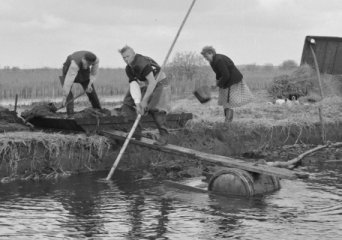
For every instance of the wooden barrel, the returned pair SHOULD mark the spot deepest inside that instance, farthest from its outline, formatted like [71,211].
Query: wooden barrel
[237,182]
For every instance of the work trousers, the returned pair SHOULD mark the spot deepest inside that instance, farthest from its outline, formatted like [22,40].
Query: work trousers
[83,78]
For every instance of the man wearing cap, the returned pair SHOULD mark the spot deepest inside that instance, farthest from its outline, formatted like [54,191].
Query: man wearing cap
[80,67]
[144,72]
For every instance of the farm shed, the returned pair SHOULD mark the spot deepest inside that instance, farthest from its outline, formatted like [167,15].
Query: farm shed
[328,51]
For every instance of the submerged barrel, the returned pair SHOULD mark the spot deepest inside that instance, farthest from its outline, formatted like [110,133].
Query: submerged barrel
[237,182]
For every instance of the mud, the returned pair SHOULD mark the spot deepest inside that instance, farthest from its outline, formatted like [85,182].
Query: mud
[235,139]
[10,121]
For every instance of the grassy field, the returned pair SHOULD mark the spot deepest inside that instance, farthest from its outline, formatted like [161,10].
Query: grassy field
[44,83]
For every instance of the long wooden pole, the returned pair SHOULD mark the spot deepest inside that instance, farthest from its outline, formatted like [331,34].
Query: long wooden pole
[123,148]
[321,119]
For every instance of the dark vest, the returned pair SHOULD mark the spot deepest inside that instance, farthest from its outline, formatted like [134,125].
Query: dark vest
[141,67]
[77,57]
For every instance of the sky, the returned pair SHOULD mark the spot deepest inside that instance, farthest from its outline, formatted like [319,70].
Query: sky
[41,33]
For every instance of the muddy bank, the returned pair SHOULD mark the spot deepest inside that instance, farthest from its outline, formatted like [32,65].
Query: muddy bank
[238,138]
[9,121]
[42,156]
[38,155]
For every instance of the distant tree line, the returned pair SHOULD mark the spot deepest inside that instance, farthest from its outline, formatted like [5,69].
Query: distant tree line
[187,71]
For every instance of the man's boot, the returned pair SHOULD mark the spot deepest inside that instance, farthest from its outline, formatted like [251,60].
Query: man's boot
[163,138]
[160,120]
[138,132]
[93,98]
[70,106]
[229,113]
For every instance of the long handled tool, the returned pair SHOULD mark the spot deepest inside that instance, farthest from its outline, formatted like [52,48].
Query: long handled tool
[123,148]
[68,102]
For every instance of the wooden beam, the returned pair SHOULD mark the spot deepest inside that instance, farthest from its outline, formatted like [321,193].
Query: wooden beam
[208,157]
[184,186]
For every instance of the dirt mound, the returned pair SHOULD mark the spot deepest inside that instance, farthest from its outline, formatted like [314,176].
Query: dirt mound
[9,121]
[40,110]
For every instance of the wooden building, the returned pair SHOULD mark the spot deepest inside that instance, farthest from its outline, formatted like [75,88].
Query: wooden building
[328,52]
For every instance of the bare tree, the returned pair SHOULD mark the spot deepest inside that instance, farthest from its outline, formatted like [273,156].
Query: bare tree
[187,71]
[186,64]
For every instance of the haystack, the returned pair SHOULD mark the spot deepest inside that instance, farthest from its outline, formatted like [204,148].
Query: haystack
[300,82]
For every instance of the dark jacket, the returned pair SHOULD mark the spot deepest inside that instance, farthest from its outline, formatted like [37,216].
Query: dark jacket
[226,72]
[77,57]
[141,67]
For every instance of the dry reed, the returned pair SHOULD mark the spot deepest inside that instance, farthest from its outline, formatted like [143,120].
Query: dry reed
[41,155]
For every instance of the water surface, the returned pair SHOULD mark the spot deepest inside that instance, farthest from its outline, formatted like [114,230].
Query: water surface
[88,207]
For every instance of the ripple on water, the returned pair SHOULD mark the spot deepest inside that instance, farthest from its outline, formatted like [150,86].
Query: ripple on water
[86,207]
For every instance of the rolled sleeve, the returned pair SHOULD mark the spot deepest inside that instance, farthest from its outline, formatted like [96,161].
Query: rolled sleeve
[70,77]
[93,72]
[95,68]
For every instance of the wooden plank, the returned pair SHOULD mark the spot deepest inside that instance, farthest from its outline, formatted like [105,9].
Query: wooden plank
[186,187]
[208,157]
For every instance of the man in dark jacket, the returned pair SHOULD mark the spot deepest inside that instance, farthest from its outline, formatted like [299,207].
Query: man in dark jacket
[80,67]
[232,91]
[144,72]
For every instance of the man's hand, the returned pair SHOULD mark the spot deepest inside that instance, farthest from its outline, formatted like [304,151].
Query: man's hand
[64,101]
[89,89]
[141,108]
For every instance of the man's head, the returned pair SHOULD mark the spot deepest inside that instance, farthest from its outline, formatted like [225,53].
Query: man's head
[208,52]
[127,54]
[88,59]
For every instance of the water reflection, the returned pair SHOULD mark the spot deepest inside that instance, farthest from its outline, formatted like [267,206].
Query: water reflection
[80,199]
[85,206]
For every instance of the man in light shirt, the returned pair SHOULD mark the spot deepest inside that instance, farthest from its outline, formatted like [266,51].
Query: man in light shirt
[80,67]
[155,91]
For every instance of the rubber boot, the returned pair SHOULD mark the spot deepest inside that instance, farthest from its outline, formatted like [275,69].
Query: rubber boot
[163,138]
[160,120]
[70,106]
[93,98]
[229,113]
[138,132]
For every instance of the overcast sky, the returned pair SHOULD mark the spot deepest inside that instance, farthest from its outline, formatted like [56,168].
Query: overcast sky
[41,33]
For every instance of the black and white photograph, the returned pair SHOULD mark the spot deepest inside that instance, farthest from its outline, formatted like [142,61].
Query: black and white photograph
[168,120]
